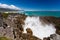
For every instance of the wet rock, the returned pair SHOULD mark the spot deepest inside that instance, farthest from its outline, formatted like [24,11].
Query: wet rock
[48,38]
[44,38]
[58,32]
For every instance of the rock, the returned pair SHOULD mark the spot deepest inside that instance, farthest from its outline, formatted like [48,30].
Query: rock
[17,20]
[44,38]
[48,38]
[4,25]
[29,31]
[58,31]
[27,37]
[1,20]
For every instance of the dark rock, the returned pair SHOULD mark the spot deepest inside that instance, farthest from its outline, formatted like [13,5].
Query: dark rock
[48,38]
[44,38]
[4,25]
[1,20]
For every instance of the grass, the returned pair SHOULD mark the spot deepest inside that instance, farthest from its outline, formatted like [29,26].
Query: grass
[4,38]
[5,15]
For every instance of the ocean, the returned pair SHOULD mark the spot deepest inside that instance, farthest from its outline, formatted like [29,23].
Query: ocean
[43,13]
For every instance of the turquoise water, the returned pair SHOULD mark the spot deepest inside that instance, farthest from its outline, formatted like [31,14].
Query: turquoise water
[43,13]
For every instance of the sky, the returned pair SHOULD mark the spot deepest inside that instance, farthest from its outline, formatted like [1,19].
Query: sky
[38,5]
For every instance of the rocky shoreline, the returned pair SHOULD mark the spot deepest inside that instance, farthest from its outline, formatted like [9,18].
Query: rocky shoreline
[11,26]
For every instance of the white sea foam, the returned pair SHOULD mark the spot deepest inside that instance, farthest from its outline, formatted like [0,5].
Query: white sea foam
[39,30]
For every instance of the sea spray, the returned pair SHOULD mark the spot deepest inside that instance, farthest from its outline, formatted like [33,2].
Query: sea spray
[39,30]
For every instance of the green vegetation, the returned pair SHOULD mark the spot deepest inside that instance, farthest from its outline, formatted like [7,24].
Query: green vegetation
[3,38]
[5,15]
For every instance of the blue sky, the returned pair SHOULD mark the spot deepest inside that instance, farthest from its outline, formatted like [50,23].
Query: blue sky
[40,5]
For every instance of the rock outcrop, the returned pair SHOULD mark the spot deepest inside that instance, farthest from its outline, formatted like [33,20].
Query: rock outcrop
[13,25]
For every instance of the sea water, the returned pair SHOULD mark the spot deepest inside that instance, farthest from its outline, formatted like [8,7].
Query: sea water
[43,13]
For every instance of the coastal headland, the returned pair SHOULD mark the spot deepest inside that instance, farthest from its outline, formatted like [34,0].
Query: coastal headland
[11,26]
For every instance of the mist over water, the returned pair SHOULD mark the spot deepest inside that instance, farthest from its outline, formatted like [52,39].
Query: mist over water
[39,30]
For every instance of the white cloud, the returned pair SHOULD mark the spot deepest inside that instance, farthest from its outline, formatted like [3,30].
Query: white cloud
[9,6]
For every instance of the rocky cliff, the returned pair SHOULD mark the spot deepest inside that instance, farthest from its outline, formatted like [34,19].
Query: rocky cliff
[12,25]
